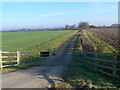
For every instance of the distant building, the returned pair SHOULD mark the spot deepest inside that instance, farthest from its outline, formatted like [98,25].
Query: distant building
[115,25]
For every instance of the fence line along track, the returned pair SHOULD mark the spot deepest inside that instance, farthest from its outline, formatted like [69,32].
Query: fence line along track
[98,63]
[104,66]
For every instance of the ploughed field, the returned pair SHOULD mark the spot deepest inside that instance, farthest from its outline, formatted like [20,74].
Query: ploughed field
[104,40]
[34,40]
[109,35]
[101,41]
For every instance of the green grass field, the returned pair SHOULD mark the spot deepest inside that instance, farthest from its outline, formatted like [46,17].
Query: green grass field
[34,40]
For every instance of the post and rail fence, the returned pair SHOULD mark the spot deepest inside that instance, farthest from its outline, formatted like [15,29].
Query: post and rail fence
[106,66]
[98,62]
[8,59]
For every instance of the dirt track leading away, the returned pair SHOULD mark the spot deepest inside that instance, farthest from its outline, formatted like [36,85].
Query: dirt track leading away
[45,75]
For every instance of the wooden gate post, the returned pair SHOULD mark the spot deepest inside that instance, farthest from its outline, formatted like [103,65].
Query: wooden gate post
[1,66]
[18,57]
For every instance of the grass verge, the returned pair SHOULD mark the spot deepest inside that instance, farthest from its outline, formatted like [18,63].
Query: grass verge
[79,77]
[99,45]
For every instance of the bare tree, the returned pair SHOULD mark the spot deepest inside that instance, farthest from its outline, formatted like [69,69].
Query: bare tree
[83,25]
[67,27]
[73,26]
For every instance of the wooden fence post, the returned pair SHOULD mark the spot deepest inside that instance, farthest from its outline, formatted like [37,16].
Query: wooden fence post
[1,66]
[114,65]
[18,57]
[96,62]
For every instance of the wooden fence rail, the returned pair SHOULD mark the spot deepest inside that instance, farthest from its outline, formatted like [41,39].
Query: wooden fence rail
[99,67]
[115,68]
[16,59]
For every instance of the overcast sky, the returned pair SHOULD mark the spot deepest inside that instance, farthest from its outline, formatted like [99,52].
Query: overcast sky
[18,15]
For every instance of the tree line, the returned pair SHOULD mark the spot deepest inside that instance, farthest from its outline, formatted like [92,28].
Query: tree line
[85,25]
[81,25]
